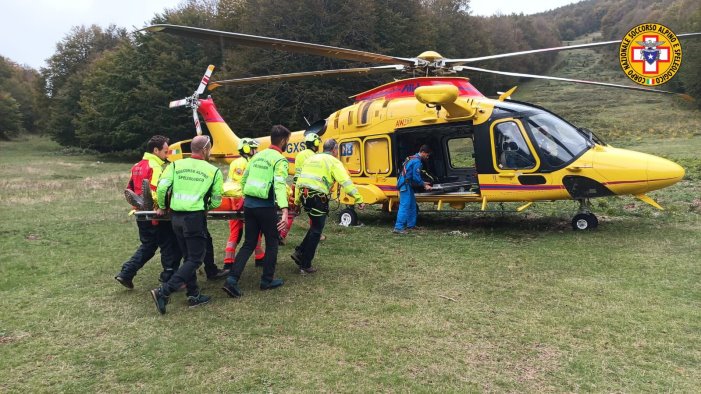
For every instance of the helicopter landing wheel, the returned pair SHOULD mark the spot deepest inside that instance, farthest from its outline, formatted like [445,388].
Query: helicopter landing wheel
[348,217]
[584,221]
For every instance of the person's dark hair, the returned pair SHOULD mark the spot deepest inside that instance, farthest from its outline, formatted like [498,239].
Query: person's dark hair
[156,142]
[426,148]
[278,133]
[330,145]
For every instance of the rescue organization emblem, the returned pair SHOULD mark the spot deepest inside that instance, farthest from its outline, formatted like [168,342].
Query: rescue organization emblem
[650,54]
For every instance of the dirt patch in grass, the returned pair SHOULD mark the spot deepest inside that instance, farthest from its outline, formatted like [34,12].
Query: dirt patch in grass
[7,338]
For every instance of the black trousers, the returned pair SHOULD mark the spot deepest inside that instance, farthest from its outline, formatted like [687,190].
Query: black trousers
[153,237]
[311,240]
[190,228]
[210,267]
[258,220]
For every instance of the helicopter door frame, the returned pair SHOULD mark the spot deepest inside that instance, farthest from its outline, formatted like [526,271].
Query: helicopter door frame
[525,136]
[348,153]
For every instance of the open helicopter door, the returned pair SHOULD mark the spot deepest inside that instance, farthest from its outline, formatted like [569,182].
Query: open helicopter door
[451,167]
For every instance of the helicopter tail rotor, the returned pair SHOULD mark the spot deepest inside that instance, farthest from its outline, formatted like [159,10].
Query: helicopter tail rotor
[177,103]
[196,118]
[194,101]
[205,80]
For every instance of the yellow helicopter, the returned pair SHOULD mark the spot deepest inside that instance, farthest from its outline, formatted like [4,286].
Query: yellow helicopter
[484,150]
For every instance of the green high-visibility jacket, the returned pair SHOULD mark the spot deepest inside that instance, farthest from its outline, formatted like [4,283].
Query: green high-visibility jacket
[196,185]
[319,174]
[299,161]
[267,169]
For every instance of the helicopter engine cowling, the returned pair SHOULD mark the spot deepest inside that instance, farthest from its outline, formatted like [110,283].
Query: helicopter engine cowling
[447,97]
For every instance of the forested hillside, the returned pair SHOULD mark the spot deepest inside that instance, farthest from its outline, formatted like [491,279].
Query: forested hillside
[108,89]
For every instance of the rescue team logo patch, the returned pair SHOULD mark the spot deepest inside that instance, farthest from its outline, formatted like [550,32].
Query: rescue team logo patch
[650,54]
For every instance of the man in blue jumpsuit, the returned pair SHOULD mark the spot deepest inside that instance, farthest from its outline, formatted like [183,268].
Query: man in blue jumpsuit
[409,177]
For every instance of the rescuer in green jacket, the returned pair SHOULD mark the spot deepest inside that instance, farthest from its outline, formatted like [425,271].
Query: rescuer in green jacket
[312,144]
[195,187]
[264,190]
[313,190]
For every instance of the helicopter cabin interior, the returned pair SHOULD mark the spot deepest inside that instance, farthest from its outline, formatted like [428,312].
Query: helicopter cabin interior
[451,165]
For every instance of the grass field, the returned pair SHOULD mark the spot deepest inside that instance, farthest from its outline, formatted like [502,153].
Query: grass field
[506,302]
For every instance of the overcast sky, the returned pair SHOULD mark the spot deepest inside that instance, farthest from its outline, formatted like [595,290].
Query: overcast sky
[30,29]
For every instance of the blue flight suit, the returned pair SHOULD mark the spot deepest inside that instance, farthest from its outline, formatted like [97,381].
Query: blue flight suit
[409,176]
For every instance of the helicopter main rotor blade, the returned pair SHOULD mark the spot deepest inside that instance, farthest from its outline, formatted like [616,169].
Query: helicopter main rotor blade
[612,85]
[307,74]
[457,62]
[280,44]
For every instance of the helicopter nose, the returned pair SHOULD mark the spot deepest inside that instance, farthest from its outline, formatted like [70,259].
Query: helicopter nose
[662,172]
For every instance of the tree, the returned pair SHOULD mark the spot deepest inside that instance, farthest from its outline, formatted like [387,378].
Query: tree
[18,83]
[10,116]
[63,78]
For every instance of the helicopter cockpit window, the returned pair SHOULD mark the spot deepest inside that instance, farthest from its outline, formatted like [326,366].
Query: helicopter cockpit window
[511,149]
[558,142]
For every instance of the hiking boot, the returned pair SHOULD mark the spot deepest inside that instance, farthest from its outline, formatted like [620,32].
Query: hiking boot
[307,271]
[200,299]
[400,232]
[146,195]
[269,285]
[260,262]
[322,237]
[134,199]
[231,287]
[297,257]
[160,300]
[218,275]
[124,282]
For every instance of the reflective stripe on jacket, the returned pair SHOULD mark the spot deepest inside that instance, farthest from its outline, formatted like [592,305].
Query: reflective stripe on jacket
[266,170]
[319,174]
[196,185]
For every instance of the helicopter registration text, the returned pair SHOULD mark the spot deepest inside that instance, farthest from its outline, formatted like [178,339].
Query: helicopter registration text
[402,122]
[295,147]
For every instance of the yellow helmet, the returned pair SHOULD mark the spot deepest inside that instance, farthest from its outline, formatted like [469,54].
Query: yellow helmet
[312,140]
[246,145]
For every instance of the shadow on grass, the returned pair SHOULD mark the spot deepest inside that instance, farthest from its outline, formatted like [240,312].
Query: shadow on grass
[461,220]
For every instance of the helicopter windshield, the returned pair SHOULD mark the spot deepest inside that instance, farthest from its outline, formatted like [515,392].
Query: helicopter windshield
[558,141]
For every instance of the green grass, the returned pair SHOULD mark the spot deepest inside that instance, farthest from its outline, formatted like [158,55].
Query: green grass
[512,302]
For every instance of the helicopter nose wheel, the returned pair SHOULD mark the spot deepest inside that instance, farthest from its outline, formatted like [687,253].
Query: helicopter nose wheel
[584,221]
[348,217]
